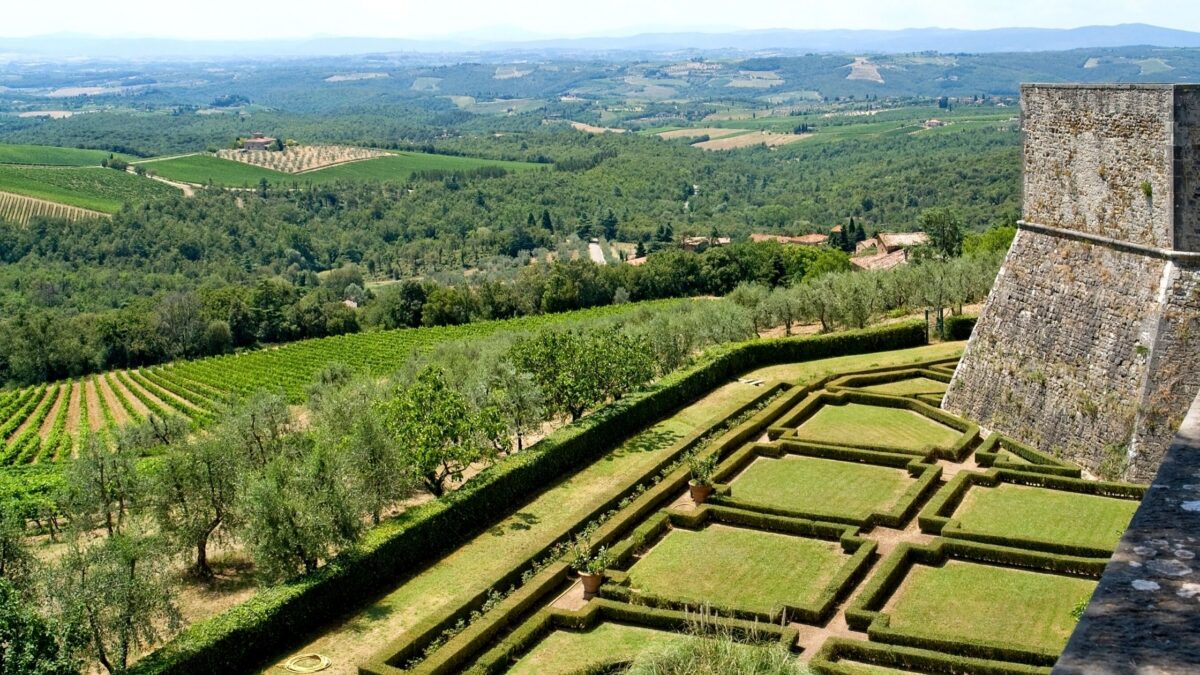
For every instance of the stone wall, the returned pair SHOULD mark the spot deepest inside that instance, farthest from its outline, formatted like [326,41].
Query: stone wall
[1089,345]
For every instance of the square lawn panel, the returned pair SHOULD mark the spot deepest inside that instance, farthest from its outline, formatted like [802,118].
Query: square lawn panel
[818,486]
[738,568]
[1042,514]
[871,425]
[569,651]
[908,387]
[971,601]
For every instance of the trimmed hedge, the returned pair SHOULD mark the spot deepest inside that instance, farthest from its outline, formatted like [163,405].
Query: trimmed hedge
[898,516]
[828,660]
[860,550]
[937,517]
[865,612]
[787,427]
[276,617]
[886,377]
[988,455]
[958,326]
[501,657]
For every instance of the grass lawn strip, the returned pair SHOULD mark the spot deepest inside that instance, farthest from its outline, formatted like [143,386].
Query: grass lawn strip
[984,603]
[876,425]
[821,486]
[909,387]
[738,568]
[477,565]
[1046,515]
[565,651]
[809,371]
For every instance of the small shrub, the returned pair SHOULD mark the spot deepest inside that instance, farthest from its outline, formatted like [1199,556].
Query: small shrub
[702,468]
[1147,189]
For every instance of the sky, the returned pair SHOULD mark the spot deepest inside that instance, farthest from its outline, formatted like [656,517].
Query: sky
[521,19]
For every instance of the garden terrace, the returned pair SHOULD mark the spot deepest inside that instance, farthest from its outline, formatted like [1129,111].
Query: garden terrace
[827,483]
[1034,511]
[854,418]
[821,537]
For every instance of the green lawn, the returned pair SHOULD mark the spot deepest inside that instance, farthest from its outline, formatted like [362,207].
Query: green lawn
[478,563]
[875,426]
[810,371]
[204,168]
[49,155]
[738,568]
[913,385]
[821,486]
[566,651]
[1045,515]
[399,166]
[1006,456]
[89,188]
[968,601]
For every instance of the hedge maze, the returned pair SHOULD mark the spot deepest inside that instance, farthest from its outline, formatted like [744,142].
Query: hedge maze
[852,521]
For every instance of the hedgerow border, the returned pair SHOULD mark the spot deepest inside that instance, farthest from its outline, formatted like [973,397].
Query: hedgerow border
[886,377]
[969,433]
[500,657]
[988,455]
[937,518]
[827,660]
[860,551]
[865,611]
[926,480]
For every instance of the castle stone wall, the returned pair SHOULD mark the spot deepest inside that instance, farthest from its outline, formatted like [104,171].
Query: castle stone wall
[1089,344]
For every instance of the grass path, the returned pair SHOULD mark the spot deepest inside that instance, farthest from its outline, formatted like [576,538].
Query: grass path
[474,567]
[814,370]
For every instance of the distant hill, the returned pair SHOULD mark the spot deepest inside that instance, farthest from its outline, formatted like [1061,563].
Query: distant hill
[802,41]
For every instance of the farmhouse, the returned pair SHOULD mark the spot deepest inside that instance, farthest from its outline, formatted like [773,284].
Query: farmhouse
[891,250]
[257,142]
[803,240]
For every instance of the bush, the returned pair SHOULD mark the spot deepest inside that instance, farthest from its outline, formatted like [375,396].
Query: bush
[959,327]
[238,640]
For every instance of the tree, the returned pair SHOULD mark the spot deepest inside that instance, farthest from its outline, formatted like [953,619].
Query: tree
[28,643]
[562,366]
[258,431]
[945,232]
[116,593]
[517,397]
[828,261]
[348,418]
[299,509]
[17,564]
[195,490]
[784,305]
[101,486]
[433,426]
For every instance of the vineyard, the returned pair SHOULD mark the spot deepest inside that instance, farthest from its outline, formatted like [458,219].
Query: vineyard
[47,423]
[20,210]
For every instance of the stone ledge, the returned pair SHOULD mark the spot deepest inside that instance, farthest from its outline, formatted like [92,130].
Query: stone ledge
[1145,615]
[1128,247]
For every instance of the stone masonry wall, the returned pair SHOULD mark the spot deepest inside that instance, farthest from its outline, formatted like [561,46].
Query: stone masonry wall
[1090,348]
[1089,152]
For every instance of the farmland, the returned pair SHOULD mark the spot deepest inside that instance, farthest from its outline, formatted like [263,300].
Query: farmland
[52,156]
[20,209]
[390,166]
[91,188]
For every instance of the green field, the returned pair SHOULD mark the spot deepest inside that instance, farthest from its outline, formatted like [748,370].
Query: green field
[52,156]
[566,651]
[202,169]
[821,486]
[875,426]
[913,385]
[97,189]
[1040,514]
[968,601]
[732,567]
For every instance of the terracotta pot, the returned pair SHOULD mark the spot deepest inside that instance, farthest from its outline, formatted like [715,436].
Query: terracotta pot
[700,493]
[591,583]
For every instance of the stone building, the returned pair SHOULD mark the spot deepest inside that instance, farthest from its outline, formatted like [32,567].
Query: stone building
[1089,344]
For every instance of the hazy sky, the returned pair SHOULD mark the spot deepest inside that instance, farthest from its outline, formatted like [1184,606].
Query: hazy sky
[223,19]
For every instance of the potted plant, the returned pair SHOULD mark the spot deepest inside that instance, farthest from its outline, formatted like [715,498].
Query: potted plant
[700,487]
[591,569]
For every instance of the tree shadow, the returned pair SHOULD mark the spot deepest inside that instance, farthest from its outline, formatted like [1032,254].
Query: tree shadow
[648,441]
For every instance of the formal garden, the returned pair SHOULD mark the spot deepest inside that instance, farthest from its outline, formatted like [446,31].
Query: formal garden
[836,513]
